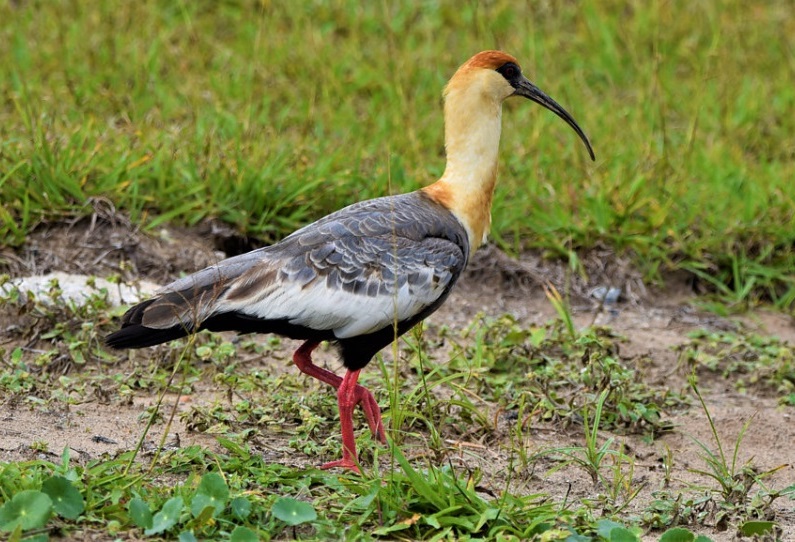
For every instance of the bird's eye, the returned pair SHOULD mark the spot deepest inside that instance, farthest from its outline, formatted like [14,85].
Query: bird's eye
[509,70]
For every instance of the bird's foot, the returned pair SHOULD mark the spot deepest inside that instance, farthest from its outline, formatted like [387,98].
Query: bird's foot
[360,394]
[344,463]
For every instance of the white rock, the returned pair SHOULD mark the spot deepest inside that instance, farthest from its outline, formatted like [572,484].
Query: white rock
[76,288]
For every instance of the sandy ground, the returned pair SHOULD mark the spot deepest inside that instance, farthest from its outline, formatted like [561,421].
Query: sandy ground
[653,322]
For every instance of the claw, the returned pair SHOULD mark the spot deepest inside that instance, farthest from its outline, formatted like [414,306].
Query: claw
[343,464]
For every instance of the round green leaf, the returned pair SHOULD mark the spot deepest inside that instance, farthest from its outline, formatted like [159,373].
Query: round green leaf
[241,507]
[167,517]
[212,491]
[27,509]
[604,527]
[66,499]
[140,513]
[751,528]
[677,534]
[187,536]
[292,511]
[622,534]
[243,534]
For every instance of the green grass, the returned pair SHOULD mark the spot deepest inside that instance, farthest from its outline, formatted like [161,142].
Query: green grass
[732,496]
[513,365]
[764,366]
[269,114]
[408,504]
[498,379]
[266,115]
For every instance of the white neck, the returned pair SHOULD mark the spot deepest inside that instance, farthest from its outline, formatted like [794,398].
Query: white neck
[472,139]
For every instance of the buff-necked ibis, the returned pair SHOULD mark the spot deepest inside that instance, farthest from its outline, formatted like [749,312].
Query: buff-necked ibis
[367,273]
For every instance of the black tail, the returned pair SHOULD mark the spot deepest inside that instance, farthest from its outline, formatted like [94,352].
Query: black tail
[138,336]
[133,334]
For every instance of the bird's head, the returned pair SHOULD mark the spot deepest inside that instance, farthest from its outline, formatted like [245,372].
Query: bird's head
[496,76]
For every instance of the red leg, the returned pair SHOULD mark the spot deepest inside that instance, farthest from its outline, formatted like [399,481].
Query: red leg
[360,394]
[347,398]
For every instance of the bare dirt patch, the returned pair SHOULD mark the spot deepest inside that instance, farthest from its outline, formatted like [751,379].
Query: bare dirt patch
[653,321]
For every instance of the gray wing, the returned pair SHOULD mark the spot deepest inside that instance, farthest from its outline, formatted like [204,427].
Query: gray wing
[352,272]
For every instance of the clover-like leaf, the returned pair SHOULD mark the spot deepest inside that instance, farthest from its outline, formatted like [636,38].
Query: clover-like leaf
[755,527]
[167,517]
[292,511]
[27,509]
[212,491]
[66,499]
[677,534]
[243,534]
[241,507]
[604,527]
[622,534]
[140,514]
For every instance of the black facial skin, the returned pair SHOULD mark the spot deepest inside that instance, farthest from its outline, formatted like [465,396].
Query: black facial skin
[511,72]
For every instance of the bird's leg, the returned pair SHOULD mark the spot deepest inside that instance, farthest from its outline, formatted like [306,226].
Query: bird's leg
[347,398]
[303,360]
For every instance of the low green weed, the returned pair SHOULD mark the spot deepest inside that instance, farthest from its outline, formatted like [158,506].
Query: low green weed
[762,364]
[214,505]
[61,337]
[510,365]
[668,509]
[240,498]
[732,500]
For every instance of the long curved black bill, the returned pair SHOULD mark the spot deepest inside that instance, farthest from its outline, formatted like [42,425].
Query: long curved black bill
[529,90]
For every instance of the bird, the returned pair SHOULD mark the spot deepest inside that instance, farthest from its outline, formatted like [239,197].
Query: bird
[364,275]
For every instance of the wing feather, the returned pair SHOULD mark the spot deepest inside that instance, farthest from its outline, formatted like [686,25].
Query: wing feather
[353,272]
[361,285]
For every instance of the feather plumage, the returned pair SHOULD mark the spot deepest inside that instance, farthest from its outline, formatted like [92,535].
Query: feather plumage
[366,274]
[347,276]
